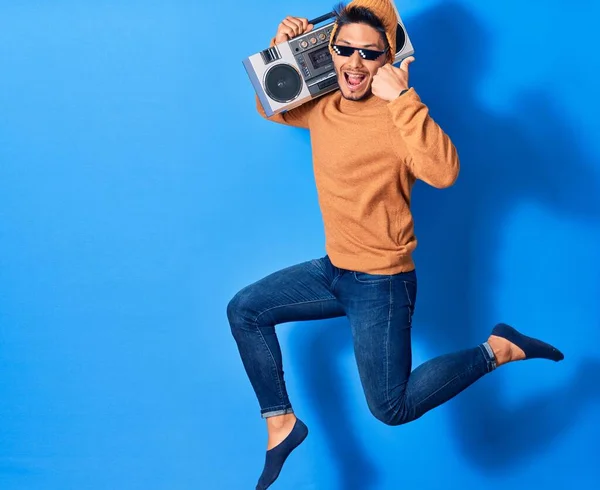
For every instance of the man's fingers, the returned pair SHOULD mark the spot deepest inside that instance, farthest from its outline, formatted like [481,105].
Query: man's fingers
[286,33]
[406,62]
[288,27]
[282,35]
[291,27]
[299,24]
[294,25]
[386,71]
[303,24]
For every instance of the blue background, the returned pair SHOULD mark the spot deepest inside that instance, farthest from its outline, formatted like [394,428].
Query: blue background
[139,190]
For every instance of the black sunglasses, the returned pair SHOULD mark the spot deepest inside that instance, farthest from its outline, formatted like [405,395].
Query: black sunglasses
[367,54]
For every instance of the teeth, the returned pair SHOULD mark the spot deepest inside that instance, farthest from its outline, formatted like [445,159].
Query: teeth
[355,79]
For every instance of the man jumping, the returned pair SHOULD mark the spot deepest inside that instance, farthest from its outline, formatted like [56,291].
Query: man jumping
[371,140]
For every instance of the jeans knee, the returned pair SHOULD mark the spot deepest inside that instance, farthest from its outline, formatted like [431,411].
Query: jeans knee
[233,307]
[385,417]
[239,311]
[390,415]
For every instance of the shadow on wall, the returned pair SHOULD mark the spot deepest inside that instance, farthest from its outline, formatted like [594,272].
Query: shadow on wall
[503,162]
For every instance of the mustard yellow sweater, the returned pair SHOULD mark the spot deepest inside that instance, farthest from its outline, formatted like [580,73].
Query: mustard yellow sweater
[367,155]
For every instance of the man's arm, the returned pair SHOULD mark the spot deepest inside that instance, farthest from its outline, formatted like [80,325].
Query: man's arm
[415,136]
[298,117]
[432,157]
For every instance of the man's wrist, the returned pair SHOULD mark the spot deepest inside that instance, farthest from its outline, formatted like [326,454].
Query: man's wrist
[402,92]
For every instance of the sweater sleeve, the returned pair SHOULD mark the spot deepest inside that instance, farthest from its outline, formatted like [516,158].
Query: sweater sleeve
[425,147]
[297,117]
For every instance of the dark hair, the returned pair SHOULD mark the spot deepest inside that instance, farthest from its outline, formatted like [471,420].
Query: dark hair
[358,15]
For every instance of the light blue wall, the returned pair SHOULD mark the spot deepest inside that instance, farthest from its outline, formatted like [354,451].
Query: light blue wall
[139,190]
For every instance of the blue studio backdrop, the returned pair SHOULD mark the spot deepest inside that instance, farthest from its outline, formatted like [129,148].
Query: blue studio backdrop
[140,190]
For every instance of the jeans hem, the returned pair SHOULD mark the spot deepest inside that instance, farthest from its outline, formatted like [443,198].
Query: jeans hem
[272,412]
[489,356]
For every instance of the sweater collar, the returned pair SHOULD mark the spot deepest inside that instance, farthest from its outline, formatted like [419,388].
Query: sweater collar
[352,106]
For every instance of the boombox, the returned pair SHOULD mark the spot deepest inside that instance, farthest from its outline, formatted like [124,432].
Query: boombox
[293,72]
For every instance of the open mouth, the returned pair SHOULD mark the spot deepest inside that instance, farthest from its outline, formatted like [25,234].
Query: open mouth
[355,81]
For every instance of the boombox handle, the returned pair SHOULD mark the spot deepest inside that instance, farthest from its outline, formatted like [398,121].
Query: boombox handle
[320,19]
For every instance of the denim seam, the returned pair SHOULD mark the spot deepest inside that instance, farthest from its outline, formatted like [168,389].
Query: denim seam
[487,362]
[274,413]
[292,304]
[371,281]
[276,407]
[409,303]
[335,281]
[255,321]
[387,351]
[272,359]
[490,359]
[442,387]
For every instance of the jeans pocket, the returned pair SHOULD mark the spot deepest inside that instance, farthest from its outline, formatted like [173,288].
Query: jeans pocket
[365,278]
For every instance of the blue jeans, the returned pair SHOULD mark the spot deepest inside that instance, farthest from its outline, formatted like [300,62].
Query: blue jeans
[379,309]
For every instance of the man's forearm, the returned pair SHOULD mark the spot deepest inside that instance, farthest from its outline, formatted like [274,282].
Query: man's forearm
[432,157]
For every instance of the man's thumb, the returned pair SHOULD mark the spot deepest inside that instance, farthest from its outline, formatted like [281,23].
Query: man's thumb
[406,62]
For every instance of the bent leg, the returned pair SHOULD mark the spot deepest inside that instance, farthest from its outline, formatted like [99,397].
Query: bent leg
[380,311]
[300,292]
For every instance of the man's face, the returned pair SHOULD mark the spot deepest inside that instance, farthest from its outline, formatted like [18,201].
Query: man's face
[355,74]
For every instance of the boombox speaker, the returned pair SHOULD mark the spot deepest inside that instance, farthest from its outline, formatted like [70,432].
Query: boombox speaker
[301,69]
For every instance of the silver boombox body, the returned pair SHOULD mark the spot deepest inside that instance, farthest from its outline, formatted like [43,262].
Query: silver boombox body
[296,71]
